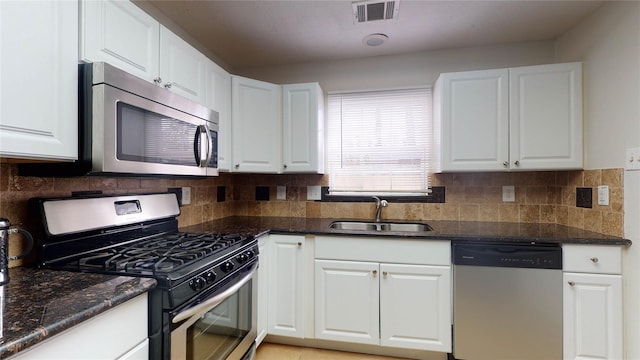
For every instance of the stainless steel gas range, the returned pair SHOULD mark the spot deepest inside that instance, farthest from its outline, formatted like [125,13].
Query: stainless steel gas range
[204,306]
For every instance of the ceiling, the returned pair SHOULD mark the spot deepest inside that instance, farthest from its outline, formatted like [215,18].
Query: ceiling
[248,34]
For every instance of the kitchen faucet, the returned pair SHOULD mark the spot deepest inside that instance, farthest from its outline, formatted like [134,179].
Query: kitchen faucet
[379,205]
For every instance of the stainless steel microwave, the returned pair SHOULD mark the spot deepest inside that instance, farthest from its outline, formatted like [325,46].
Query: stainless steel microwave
[129,126]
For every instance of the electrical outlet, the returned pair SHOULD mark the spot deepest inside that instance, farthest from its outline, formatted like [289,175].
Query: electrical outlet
[314,193]
[186,195]
[282,193]
[603,195]
[632,159]
[508,193]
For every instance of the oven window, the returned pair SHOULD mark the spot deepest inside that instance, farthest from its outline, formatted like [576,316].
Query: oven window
[146,136]
[216,334]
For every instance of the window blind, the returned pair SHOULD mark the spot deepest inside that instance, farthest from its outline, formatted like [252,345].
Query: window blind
[379,142]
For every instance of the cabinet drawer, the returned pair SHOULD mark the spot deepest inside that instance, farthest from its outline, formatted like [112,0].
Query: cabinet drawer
[600,259]
[394,250]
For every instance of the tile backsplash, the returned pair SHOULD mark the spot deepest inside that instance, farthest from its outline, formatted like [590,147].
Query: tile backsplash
[548,197]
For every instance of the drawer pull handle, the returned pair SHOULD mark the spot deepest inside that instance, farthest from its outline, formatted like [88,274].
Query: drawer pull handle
[594,259]
[571,283]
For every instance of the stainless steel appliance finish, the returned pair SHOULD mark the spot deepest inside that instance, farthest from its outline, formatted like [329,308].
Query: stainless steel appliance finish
[204,306]
[128,126]
[507,301]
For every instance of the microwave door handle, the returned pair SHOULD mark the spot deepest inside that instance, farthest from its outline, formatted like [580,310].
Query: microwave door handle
[202,139]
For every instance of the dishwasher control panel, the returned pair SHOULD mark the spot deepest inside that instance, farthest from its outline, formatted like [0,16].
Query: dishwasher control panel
[535,256]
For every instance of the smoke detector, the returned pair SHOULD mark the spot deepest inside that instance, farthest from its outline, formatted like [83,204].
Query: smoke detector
[374,10]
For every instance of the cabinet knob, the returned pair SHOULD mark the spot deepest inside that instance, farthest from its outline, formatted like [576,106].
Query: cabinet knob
[505,163]
[237,166]
[299,243]
[594,259]
[374,272]
[384,273]
[571,283]
[284,166]
[168,85]
[157,80]
[516,163]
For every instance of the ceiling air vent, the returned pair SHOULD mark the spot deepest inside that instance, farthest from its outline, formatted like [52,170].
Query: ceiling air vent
[373,10]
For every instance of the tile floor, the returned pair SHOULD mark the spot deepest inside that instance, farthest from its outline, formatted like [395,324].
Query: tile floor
[270,351]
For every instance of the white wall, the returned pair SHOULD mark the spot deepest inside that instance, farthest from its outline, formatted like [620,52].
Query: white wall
[404,70]
[608,43]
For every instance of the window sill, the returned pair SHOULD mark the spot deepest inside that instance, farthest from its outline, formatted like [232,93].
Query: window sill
[437,196]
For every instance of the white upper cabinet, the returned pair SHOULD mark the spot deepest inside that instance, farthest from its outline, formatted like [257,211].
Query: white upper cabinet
[256,125]
[123,35]
[526,118]
[545,111]
[471,120]
[219,99]
[276,128]
[182,67]
[39,80]
[303,126]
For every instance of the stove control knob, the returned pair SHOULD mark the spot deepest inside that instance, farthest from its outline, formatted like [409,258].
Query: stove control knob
[210,277]
[242,258]
[226,267]
[197,284]
[250,253]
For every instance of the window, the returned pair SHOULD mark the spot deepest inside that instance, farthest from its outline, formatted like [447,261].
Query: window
[379,142]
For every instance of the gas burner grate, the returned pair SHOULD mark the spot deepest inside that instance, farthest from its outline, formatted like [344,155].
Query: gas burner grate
[161,254]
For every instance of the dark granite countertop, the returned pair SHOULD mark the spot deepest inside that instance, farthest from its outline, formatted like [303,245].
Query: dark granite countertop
[37,304]
[448,230]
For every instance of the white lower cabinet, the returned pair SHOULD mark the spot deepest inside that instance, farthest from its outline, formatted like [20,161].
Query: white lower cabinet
[119,333]
[286,286]
[395,304]
[592,302]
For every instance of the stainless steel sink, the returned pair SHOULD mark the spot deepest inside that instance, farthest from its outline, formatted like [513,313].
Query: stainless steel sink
[380,226]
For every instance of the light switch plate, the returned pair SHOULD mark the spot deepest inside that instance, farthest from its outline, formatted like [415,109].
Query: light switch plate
[509,193]
[282,193]
[632,159]
[603,195]
[314,193]
[186,195]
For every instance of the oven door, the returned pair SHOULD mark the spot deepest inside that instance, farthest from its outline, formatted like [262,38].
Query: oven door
[222,326]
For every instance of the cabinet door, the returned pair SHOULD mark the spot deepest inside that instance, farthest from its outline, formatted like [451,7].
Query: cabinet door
[256,125]
[303,128]
[286,306]
[347,301]
[118,332]
[121,34]
[471,124]
[182,67]
[219,99]
[545,105]
[39,79]
[415,307]
[592,319]
[263,289]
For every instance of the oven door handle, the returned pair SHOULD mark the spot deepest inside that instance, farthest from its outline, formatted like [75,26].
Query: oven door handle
[214,301]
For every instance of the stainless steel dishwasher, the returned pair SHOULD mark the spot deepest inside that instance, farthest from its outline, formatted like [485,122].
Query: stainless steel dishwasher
[507,301]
